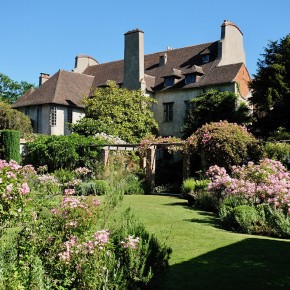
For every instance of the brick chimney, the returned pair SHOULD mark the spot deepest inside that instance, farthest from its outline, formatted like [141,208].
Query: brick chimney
[231,48]
[43,78]
[134,60]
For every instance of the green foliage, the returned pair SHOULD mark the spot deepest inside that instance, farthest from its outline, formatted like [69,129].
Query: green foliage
[278,151]
[134,184]
[214,106]
[188,186]
[93,187]
[271,88]
[245,217]
[67,152]
[118,112]
[10,90]
[59,245]
[279,134]
[10,140]
[13,120]
[223,144]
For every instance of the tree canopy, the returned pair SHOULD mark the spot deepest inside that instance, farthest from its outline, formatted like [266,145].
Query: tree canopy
[214,106]
[13,120]
[118,112]
[10,90]
[271,88]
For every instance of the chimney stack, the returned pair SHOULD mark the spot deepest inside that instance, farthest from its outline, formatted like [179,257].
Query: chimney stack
[134,59]
[82,62]
[43,78]
[231,48]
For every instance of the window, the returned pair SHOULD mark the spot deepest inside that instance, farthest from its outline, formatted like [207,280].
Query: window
[169,81]
[205,58]
[168,112]
[52,116]
[190,78]
[38,120]
[69,115]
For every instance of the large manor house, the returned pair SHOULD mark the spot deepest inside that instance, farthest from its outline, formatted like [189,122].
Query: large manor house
[173,77]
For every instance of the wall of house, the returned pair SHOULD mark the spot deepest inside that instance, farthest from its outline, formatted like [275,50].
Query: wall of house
[179,98]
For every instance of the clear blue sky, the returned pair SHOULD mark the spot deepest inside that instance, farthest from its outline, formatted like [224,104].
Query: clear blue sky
[45,36]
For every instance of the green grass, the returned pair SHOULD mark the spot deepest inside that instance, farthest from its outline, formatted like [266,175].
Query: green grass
[204,255]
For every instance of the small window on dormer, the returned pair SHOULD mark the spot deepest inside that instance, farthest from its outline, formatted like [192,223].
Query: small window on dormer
[169,81]
[205,58]
[190,78]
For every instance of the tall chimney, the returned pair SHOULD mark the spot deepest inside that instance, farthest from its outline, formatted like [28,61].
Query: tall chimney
[231,48]
[134,59]
[43,78]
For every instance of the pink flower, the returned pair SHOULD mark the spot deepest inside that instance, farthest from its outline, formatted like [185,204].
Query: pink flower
[24,189]
[96,202]
[130,242]
[69,191]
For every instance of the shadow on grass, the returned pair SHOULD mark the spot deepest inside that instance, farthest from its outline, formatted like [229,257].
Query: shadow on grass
[249,264]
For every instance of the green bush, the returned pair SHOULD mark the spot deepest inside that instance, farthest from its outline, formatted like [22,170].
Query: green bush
[246,217]
[188,186]
[278,151]
[10,140]
[223,144]
[133,184]
[67,152]
[93,187]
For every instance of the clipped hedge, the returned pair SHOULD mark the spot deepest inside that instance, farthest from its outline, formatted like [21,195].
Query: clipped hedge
[67,152]
[10,143]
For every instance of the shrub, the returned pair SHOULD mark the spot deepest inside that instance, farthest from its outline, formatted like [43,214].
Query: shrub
[69,246]
[278,151]
[67,152]
[133,184]
[93,187]
[10,140]
[264,187]
[246,217]
[11,119]
[223,144]
[188,186]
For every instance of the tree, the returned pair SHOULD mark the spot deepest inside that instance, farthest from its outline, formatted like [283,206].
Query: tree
[11,119]
[118,112]
[11,90]
[214,106]
[271,88]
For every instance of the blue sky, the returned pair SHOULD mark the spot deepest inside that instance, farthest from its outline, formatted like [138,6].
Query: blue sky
[45,36]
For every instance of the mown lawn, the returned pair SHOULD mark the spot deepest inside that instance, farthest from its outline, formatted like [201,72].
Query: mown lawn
[204,255]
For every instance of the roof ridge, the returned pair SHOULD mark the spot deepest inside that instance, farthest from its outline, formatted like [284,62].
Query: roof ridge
[163,51]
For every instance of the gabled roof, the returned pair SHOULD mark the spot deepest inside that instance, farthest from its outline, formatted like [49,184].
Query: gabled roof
[182,59]
[63,88]
[66,88]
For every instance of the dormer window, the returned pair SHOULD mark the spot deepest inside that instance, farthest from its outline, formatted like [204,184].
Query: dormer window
[169,81]
[190,78]
[172,77]
[205,58]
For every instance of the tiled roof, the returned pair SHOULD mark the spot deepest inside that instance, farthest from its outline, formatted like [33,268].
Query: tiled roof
[68,87]
[63,88]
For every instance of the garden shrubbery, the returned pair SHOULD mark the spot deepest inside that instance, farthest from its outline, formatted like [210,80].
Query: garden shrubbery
[66,152]
[224,144]
[52,241]
[253,198]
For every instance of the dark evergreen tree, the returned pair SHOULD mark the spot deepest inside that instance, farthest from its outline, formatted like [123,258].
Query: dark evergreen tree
[271,89]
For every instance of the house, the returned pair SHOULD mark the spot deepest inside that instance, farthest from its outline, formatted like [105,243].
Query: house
[172,77]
